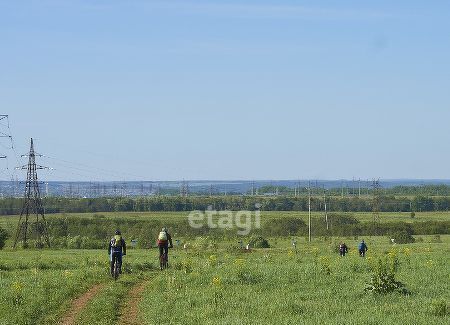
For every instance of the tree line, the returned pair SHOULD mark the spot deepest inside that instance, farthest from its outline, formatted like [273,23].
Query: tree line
[81,232]
[13,206]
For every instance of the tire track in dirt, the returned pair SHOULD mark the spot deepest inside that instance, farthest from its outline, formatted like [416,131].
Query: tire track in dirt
[79,304]
[129,314]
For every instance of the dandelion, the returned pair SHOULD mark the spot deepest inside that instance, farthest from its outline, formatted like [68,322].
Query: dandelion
[67,274]
[325,264]
[217,282]
[291,253]
[429,263]
[212,260]
[17,286]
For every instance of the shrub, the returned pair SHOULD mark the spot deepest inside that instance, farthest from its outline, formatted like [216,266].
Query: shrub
[402,237]
[3,237]
[246,276]
[383,277]
[283,226]
[436,239]
[74,242]
[259,242]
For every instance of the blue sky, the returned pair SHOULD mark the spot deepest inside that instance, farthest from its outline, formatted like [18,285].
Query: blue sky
[157,90]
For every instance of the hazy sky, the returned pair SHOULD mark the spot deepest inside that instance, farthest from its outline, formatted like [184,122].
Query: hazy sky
[156,90]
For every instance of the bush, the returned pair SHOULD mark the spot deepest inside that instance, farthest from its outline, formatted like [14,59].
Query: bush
[284,226]
[3,237]
[436,239]
[259,242]
[383,278]
[402,237]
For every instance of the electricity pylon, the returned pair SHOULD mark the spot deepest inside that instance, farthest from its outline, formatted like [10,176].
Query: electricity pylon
[32,206]
[3,134]
[376,203]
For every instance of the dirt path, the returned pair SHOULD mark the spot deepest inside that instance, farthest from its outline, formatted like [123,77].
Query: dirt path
[130,311]
[79,303]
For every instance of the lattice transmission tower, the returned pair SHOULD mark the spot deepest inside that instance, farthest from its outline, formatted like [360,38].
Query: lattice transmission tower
[184,189]
[376,200]
[32,207]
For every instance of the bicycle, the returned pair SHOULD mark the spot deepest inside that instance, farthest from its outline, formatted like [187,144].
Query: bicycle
[163,261]
[116,268]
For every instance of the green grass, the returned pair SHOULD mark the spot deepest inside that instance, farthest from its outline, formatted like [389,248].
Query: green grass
[105,308]
[226,286]
[314,286]
[36,287]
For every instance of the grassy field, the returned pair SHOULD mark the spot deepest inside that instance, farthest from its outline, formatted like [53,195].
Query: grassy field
[9,221]
[216,283]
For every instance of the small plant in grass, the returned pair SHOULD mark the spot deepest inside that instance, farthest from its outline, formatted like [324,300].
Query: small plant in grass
[217,285]
[383,277]
[325,264]
[17,293]
[439,307]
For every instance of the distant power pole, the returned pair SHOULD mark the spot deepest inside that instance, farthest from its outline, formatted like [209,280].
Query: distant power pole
[309,211]
[123,189]
[325,206]
[3,134]
[376,203]
[32,206]
[359,188]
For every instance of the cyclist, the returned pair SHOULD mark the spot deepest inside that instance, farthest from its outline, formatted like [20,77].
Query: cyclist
[343,249]
[117,248]
[164,242]
[362,248]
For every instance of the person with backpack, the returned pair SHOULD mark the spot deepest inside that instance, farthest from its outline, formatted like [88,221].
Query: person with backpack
[362,248]
[343,249]
[164,242]
[117,248]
